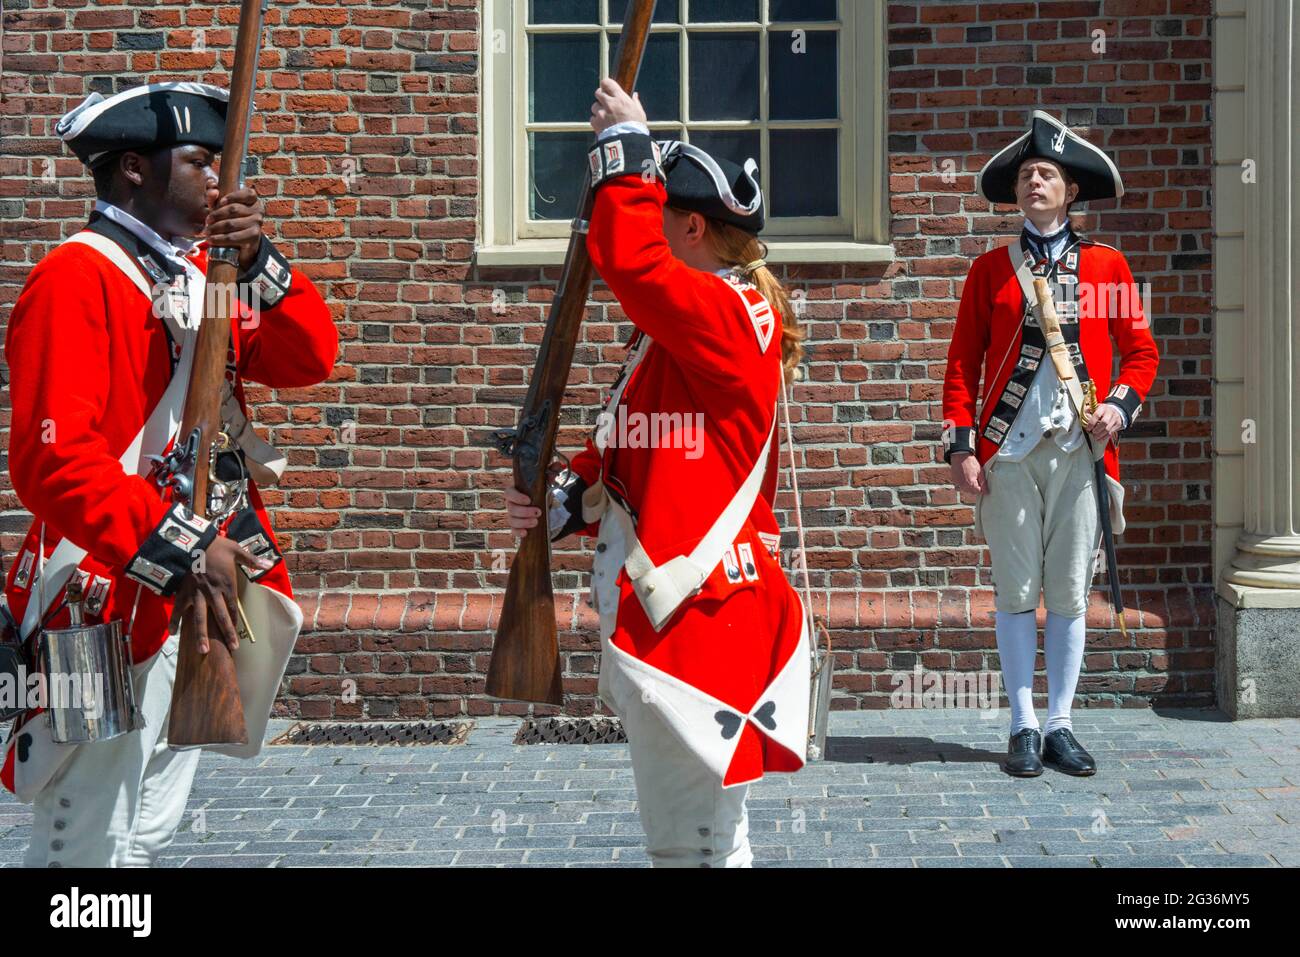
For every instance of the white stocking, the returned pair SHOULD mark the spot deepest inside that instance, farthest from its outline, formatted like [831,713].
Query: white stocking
[1063,649]
[1018,649]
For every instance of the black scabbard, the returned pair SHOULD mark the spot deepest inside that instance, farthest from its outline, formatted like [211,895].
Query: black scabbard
[1108,538]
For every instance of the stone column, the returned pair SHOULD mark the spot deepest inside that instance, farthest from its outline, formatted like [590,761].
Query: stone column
[1258,666]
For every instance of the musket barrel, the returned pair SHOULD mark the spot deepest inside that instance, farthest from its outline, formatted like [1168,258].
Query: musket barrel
[525,663]
[206,706]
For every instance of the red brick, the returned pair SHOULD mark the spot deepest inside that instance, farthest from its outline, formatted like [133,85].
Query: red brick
[393,251]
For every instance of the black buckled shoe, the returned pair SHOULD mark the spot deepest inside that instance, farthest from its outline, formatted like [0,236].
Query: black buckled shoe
[1063,752]
[1022,754]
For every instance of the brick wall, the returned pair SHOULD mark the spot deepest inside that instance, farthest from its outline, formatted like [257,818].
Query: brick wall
[366,139]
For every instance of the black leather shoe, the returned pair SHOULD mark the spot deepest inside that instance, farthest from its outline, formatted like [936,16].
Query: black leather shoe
[1022,754]
[1063,752]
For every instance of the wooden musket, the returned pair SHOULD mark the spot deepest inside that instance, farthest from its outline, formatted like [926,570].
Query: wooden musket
[525,663]
[206,706]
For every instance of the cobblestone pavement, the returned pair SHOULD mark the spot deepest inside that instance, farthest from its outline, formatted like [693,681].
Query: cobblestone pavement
[900,789]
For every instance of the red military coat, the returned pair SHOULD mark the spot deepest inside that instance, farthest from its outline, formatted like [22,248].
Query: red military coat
[995,334]
[717,353]
[89,361]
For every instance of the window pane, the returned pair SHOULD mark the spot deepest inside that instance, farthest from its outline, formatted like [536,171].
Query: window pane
[803,75]
[724,76]
[724,11]
[565,70]
[785,11]
[564,11]
[661,73]
[558,162]
[735,145]
[805,178]
[666,11]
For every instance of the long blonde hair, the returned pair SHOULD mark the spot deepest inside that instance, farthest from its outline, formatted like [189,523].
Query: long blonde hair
[734,246]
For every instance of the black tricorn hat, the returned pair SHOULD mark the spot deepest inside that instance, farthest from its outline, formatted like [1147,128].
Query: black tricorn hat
[146,118]
[1050,139]
[712,186]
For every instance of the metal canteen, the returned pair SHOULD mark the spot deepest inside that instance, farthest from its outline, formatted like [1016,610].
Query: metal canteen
[90,694]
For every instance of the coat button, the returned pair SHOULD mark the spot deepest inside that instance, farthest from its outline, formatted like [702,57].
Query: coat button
[60,825]
[56,845]
[601,547]
[64,802]
[649,588]
[54,864]
[704,832]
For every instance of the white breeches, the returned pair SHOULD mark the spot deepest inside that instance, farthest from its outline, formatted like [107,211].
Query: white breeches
[690,819]
[118,803]
[1039,518]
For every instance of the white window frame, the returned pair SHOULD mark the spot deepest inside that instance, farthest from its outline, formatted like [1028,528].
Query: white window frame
[862,236]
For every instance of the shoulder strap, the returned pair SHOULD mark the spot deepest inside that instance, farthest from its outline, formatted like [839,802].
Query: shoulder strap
[1025,277]
[709,551]
[662,588]
[1020,266]
[152,438]
[636,352]
[140,263]
[116,255]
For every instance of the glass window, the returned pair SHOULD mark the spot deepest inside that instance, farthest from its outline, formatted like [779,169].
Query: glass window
[552,159]
[805,179]
[724,77]
[724,11]
[802,11]
[760,79]
[802,75]
[564,71]
[666,11]
[563,11]
[661,76]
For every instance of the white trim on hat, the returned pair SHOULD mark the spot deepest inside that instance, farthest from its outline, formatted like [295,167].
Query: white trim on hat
[670,148]
[74,123]
[1014,144]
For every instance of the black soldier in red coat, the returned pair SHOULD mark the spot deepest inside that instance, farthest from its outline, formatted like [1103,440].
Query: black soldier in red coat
[99,345]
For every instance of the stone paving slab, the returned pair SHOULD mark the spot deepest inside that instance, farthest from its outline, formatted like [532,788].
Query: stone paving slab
[1177,788]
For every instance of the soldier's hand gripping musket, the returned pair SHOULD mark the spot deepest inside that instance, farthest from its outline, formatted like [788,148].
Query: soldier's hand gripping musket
[120,419]
[525,663]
